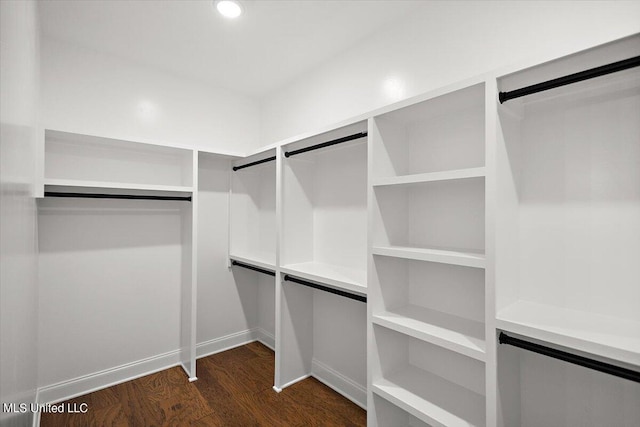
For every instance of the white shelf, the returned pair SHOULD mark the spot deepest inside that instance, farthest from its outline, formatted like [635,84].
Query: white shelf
[445,330]
[432,399]
[430,177]
[605,336]
[339,277]
[265,260]
[465,258]
[72,185]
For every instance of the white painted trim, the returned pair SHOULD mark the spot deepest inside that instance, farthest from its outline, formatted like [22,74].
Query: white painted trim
[217,345]
[85,384]
[292,382]
[276,389]
[36,417]
[79,386]
[266,339]
[357,393]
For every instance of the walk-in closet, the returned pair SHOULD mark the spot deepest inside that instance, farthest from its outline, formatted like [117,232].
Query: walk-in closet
[355,213]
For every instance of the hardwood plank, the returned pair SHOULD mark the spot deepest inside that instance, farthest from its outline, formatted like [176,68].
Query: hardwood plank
[234,388]
[261,350]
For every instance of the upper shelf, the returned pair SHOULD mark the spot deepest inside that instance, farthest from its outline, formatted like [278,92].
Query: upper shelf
[610,337]
[446,256]
[430,177]
[59,185]
[74,159]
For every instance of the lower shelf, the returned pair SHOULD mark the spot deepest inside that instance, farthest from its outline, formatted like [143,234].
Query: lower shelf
[445,330]
[610,337]
[348,279]
[264,260]
[432,399]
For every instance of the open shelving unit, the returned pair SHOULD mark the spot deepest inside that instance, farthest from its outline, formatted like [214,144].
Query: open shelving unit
[78,167]
[324,212]
[439,387]
[85,163]
[426,269]
[253,210]
[322,324]
[568,239]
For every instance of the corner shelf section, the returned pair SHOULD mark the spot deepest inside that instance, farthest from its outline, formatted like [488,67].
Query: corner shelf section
[431,398]
[264,260]
[454,333]
[463,258]
[344,278]
[606,336]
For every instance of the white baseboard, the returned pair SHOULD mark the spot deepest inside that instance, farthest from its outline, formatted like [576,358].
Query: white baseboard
[338,382]
[227,342]
[292,382]
[267,339]
[79,386]
[69,389]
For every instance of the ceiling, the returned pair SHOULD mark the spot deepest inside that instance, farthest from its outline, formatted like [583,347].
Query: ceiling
[271,44]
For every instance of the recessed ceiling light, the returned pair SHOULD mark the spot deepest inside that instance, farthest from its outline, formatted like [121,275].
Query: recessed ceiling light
[229,8]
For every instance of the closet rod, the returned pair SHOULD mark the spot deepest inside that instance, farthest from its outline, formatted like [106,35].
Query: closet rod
[356,297]
[251,267]
[257,162]
[597,365]
[571,78]
[116,196]
[326,144]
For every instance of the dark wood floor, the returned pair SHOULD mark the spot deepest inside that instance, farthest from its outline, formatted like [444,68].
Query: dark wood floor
[233,389]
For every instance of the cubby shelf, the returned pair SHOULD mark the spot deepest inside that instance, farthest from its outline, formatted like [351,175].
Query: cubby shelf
[348,279]
[454,333]
[430,177]
[258,259]
[72,185]
[464,258]
[431,398]
[614,338]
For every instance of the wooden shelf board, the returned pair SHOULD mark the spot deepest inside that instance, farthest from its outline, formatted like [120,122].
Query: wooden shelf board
[72,185]
[265,260]
[610,337]
[454,333]
[432,399]
[339,277]
[446,256]
[419,178]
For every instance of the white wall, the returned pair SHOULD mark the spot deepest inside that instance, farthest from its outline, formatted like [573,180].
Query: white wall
[89,92]
[444,42]
[19,92]
[110,280]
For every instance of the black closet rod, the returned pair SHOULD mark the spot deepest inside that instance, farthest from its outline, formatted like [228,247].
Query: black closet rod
[116,196]
[597,365]
[356,297]
[257,162]
[326,144]
[571,78]
[251,267]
